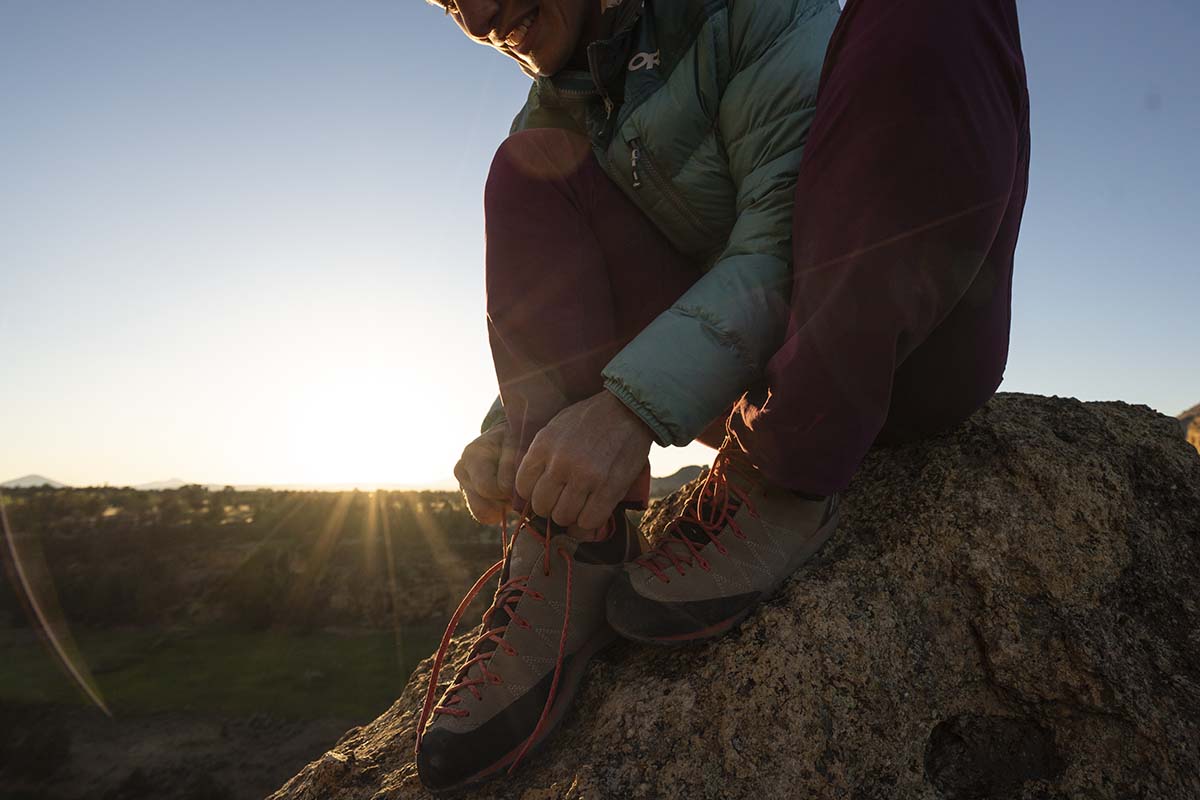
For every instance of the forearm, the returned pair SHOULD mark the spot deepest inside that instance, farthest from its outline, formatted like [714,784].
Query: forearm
[697,358]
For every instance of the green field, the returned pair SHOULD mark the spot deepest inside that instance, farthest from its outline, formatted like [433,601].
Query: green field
[288,675]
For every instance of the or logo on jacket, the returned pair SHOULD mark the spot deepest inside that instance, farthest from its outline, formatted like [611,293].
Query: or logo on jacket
[645,61]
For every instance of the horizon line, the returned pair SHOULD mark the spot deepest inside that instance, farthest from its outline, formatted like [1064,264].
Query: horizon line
[444,484]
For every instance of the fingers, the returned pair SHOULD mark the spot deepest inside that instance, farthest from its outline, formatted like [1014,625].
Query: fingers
[531,469]
[482,473]
[583,461]
[483,509]
[461,475]
[478,468]
[537,485]
[478,472]
[602,502]
[600,505]
[570,503]
[554,491]
[545,494]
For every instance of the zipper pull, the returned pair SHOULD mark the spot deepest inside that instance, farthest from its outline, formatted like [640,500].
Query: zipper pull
[634,156]
[593,68]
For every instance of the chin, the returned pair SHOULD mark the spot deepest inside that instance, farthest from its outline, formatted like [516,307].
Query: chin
[532,68]
[545,60]
[545,66]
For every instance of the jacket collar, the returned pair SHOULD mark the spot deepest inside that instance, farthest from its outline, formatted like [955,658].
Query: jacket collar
[606,60]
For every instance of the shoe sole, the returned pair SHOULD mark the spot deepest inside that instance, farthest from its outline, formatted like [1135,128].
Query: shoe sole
[724,626]
[567,689]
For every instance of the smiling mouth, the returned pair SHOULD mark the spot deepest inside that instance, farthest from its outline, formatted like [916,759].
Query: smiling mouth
[517,35]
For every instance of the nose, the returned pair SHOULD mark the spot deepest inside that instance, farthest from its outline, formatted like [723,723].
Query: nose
[479,17]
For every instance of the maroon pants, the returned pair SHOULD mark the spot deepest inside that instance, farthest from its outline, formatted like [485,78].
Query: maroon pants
[908,204]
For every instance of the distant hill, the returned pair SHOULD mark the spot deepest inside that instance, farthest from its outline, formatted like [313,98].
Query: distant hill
[1191,425]
[30,482]
[172,483]
[661,487]
[444,485]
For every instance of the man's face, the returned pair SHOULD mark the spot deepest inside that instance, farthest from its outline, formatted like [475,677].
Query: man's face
[541,35]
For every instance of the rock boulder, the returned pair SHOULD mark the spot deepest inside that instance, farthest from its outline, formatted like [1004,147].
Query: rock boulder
[1007,611]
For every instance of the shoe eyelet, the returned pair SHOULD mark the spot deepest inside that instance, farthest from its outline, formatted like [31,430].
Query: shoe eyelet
[704,565]
[496,680]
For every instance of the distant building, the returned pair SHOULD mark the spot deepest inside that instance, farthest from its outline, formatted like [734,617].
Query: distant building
[1191,425]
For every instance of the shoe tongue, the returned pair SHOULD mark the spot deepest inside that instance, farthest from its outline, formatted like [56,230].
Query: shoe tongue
[690,530]
[527,549]
[735,470]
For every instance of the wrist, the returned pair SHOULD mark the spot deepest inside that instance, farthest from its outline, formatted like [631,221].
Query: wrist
[621,392]
[636,424]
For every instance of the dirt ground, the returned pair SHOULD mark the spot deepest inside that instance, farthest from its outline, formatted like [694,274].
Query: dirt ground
[64,753]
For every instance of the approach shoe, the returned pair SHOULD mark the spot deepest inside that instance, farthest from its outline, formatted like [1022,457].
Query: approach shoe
[522,672]
[736,543]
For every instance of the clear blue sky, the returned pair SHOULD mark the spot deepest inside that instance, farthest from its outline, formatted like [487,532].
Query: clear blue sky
[240,242]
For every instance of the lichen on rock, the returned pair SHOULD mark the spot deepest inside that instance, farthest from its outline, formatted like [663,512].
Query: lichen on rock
[1008,611]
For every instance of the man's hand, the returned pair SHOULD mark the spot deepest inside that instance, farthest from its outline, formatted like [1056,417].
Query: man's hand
[486,474]
[584,461]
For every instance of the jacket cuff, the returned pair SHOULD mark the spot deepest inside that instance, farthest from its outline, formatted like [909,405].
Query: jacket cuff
[678,390]
[625,394]
[689,365]
[494,416]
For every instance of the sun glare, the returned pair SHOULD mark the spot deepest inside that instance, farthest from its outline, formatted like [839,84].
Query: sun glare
[355,429]
[372,427]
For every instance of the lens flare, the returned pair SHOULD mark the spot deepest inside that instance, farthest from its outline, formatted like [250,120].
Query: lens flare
[32,582]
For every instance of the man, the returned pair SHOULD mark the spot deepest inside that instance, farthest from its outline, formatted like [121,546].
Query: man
[686,241]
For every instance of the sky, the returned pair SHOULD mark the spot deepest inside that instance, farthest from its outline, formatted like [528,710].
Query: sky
[242,242]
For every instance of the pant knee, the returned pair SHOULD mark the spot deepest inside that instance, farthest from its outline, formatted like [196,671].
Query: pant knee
[927,400]
[533,161]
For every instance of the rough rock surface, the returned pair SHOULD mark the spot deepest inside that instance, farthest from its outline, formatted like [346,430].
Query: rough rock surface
[1007,611]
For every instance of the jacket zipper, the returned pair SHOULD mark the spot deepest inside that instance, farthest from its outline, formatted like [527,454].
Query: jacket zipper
[576,93]
[640,162]
[608,103]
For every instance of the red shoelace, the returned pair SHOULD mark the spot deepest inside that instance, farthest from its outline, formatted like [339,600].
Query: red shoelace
[507,597]
[715,506]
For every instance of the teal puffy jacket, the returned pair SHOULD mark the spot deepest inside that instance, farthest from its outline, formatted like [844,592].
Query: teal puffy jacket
[699,110]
